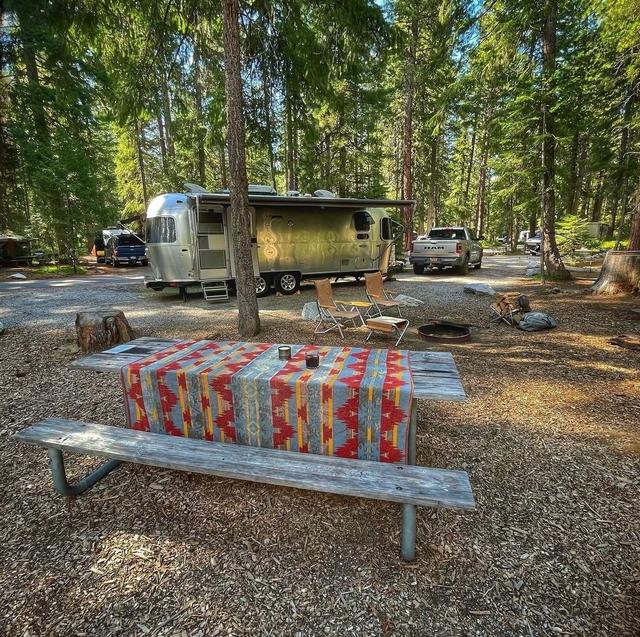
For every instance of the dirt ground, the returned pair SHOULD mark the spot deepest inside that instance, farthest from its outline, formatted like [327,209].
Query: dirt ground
[549,436]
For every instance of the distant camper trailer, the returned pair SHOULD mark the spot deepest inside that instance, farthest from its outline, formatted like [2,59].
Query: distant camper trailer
[293,238]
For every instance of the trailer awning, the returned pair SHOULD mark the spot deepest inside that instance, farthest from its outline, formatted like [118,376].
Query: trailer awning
[304,202]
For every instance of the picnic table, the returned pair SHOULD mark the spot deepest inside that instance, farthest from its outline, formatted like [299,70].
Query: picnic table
[434,376]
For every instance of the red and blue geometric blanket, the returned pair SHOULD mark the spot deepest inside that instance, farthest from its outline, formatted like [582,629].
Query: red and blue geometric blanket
[356,404]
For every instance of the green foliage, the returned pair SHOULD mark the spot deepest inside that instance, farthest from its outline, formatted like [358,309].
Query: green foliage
[109,103]
[572,233]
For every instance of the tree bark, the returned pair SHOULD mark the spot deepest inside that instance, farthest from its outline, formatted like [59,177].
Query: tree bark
[481,201]
[470,168]
[407,149]
[634,238]
[143,175]
[166,116]
[433,186]
[572,198]
[292,181]
[200,126]
[622,169]
[596,211]
[7,154]
[550,253]
[248,317]
[266,89]
[620,273]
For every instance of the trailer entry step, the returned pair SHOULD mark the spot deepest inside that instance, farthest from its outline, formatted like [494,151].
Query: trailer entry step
[215,290]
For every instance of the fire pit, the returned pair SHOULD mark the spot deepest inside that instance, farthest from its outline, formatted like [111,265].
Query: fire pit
[444,332]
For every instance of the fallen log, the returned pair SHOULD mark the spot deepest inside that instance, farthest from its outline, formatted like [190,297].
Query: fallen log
[620,273]
[101,328]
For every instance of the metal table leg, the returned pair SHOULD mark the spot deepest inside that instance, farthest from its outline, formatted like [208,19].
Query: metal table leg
[56,463]
[409,510]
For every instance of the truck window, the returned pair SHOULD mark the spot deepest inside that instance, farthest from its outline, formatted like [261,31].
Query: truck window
[161,230]
[129,240]
[447,233]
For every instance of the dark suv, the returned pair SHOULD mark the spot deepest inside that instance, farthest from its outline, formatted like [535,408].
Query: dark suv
[125,249]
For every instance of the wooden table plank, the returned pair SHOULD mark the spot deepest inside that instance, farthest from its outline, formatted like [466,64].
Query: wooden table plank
[435,375]
[361,478]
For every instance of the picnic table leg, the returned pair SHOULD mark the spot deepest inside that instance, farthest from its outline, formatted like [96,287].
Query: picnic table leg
[56,462]
[409,510]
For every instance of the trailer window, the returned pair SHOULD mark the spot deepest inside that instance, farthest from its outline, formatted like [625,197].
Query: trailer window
[161,230]
[386,232]
[363,221]
[211,222]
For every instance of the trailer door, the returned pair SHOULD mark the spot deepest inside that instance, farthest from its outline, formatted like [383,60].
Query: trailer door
[366,246]
[212,243]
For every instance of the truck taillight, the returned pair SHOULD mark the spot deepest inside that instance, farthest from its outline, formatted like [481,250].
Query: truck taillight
[458,248]
[115,251]
[413,246]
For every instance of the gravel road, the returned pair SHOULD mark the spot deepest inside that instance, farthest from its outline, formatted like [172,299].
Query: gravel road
[549,437]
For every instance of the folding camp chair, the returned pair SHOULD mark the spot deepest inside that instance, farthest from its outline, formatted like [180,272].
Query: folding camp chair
[377,295]
[332,314]
[388,325]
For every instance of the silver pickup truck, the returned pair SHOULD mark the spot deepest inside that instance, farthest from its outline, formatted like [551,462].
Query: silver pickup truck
[446,247]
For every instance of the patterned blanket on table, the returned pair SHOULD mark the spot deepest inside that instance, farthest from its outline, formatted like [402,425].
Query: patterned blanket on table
[356,404]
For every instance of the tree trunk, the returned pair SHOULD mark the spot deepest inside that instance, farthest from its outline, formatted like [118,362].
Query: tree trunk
[143,175]
[200,126]
[572,197]
[163,143]
[596,211]
[223,167]
[550,253]
[634,238]
[248,317]
[407,146]
[266,88]
[101,328]
[620,273]
[292,182]
[481,201]
[622,169]
[470,168]
[433,186]
[166,115]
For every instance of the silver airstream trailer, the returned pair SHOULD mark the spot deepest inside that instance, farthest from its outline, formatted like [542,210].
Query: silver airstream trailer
[293,238]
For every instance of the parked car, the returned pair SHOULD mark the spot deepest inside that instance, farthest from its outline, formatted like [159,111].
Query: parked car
[99,246]
[532,245]
[446,247]
[123,249]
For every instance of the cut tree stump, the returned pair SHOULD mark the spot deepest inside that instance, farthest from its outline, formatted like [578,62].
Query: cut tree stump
[102,328]
[620,273]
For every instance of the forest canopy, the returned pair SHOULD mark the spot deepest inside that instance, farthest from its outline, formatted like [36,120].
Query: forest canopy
[105,104]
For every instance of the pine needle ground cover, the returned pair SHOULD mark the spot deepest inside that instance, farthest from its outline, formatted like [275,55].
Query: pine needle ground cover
[549,437]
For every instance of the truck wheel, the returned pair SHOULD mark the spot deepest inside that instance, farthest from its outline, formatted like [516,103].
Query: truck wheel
[287,283]
[478,265]
[418,269]
[263,286]
[463,268]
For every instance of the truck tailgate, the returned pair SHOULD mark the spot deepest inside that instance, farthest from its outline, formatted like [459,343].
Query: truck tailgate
[435,248]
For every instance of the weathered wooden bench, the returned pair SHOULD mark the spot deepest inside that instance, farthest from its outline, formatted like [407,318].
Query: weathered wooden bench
[408,485]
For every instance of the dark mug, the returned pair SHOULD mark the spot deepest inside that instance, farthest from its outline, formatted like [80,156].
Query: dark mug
[312,359]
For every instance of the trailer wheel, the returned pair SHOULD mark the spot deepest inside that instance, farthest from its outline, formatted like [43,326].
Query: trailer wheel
[287,283]
[263,286]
